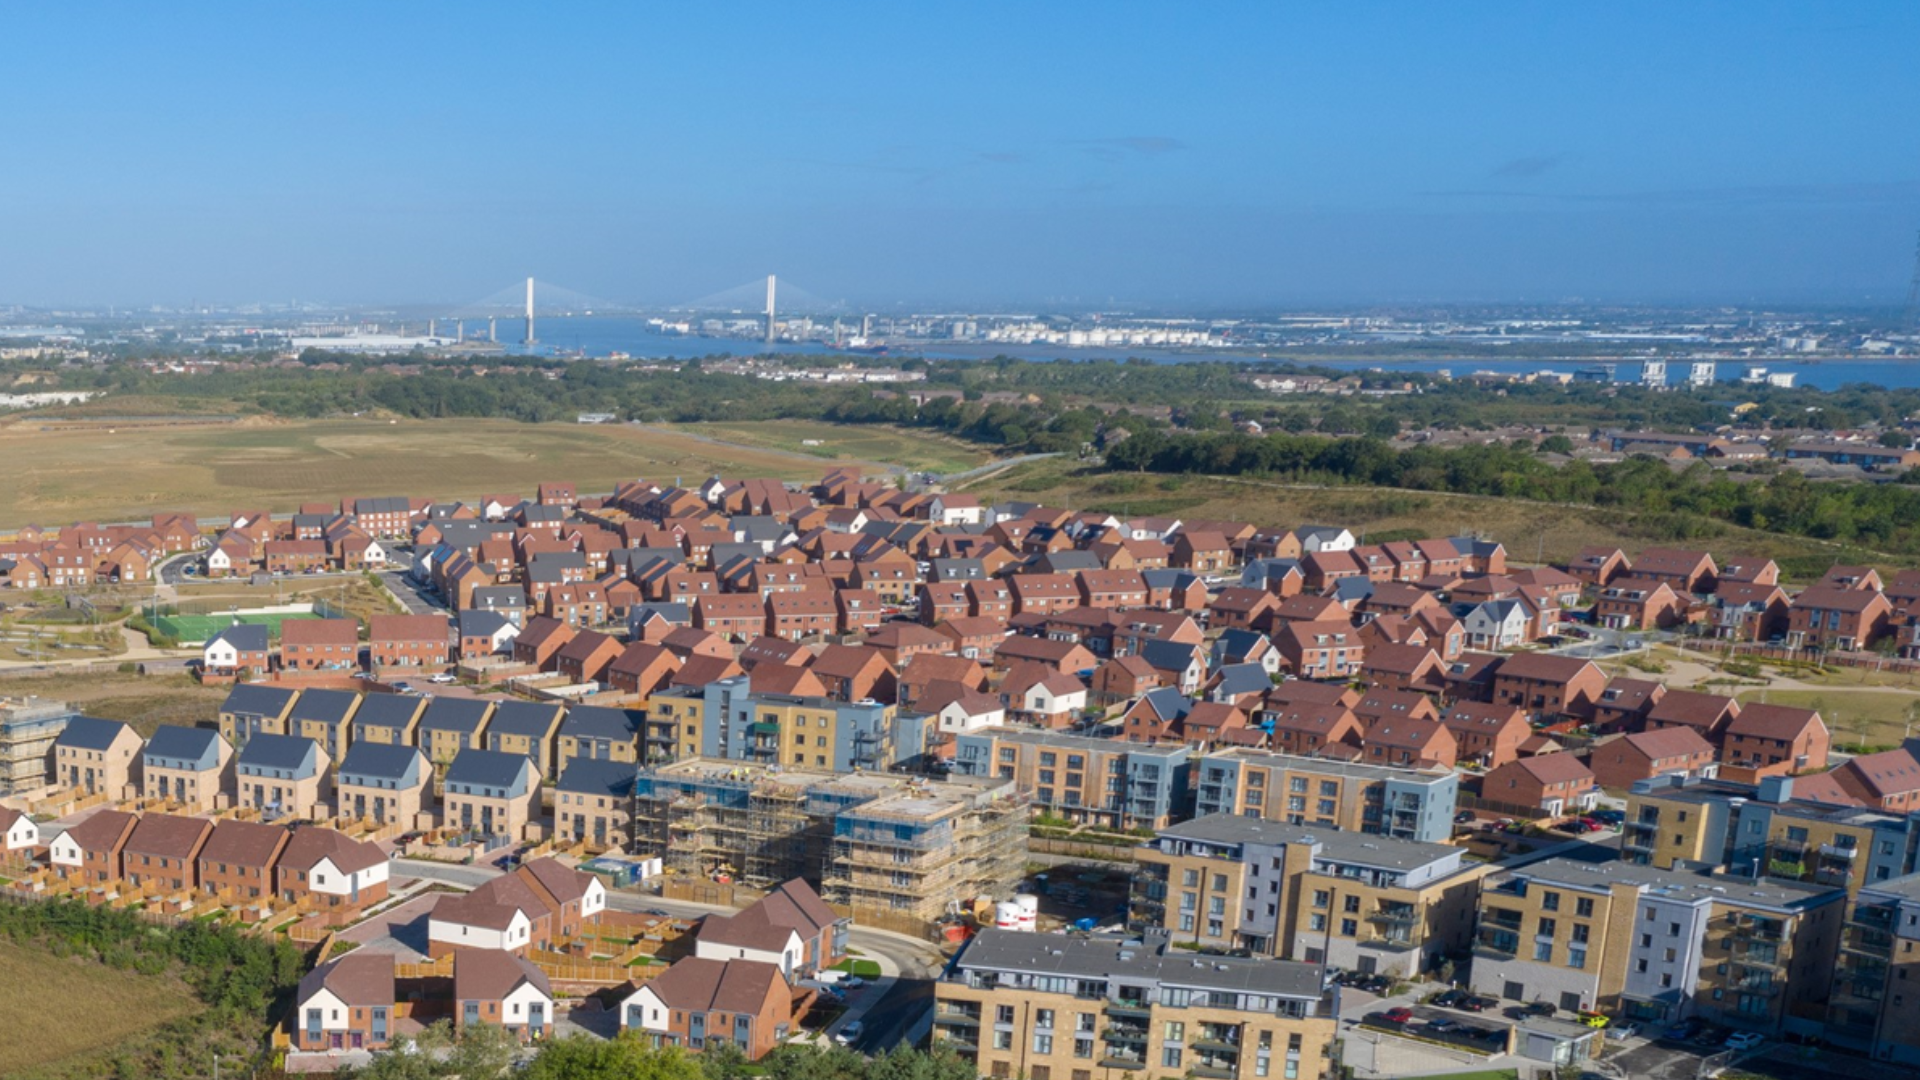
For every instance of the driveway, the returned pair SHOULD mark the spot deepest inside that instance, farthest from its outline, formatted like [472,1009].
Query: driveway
[400,930]
[1658,1060]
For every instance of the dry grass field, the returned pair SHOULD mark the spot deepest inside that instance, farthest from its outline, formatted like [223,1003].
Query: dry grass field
[917,450]
[119,1005]
[145,702]
[106,472]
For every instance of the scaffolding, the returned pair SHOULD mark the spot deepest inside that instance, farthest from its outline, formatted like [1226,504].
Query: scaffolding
[28,728]
[912,853]
[733,822]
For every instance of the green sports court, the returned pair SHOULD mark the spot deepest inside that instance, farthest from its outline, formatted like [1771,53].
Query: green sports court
[197,629]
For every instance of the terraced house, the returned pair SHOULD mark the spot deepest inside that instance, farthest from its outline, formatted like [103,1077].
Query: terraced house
[189,766]
[1051,1007]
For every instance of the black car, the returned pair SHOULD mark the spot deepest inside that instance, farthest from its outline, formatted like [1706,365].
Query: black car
[1540,1008]
[1449,998]
[1475,1003]
[1463,817]
[1686,1029]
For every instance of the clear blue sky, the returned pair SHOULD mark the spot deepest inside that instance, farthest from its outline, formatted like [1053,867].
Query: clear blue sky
[1199,154]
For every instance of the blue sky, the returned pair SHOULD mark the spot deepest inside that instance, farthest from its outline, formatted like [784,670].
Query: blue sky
[1200,155]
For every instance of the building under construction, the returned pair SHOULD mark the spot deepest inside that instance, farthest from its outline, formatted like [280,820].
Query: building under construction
[917,851]
[876,843]
[28,728]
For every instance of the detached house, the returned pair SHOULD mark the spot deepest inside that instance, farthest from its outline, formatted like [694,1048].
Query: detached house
[90,851]
[239,648]
[346,1004]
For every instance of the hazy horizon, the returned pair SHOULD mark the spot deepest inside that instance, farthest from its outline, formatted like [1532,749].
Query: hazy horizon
[1203,158]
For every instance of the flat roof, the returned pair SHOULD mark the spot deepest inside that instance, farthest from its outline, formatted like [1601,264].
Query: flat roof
[1366,849]
[1137,960]
[1676,884]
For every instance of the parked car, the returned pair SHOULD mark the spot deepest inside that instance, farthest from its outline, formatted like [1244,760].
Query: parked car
[848,1033]
[1594,1019]
[1588,824]
[1686,1029]
[1623,1031]
[1449,998]
[1476,1003]
[1398,1015]
[1610,817]
[1443,1024]
[1744,1040]
[1539,1008]
[1463,817]
[442,678]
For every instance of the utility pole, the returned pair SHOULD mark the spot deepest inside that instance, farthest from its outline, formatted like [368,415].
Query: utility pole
[529,340]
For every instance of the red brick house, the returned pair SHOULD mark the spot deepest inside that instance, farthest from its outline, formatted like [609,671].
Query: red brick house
[1545,685]
[1325,649]
[1637,603]
[1553,785]
[1773,740]
[1707,714]
[541,641]
[1675,751]
[1042,594]
[238,859]
[1487,735]
[1686,571]
[1889,780]
[1837,617]
[319,644]
[699,1002]
[347,1003]
[1409,743]
[1598,566]
[739,616]
[1402,667]
[162,852]
[797,615]
[855,673]
[1112,588]
[587,657]
[408,641]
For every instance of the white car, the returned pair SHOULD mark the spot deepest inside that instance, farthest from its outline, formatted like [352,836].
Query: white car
[848,1032]
[443,678]
[1744,1040]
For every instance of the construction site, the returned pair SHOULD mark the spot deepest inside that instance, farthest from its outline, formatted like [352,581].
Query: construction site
[888,850]
[28,728]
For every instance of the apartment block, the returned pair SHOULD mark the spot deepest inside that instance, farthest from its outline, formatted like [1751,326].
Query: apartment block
[914,850]
[28,728]
[1659,945]
[1875,1005]
[727,719]
[1407,804]
[1047,1007]
[1358,902]
[1106,782]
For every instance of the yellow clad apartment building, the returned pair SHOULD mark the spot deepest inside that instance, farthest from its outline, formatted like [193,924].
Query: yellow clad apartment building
[1659,945]
[1075,1007]
[1350,900]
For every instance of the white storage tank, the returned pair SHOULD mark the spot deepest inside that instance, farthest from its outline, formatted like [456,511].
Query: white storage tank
[1006,915]
[1029,905]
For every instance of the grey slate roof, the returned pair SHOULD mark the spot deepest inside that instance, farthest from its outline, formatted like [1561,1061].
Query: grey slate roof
[528,718]
[481,623]
[487,768]
[289,753]
[1243,679]
[586,776]
[462,715]
[380,761]
[253,699]
[330,707]
[197,747]
[600,722]
[246,637]
[384,710]
[90,733]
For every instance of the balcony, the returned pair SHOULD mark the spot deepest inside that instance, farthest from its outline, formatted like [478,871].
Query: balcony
[1134,1009]
[1221,1071]
[1125,1033]
[1114,1059]
[1838,851]
[953,1014]
[1397,915]
[1866,941]
[1497,944]
[1223,1037]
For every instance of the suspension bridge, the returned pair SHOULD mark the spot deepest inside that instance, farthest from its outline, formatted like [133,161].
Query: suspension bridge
[531,301]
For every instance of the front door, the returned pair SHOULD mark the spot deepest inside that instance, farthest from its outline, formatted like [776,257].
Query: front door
[1513,991]
[473,1013]
[536,1019]
[379,1025]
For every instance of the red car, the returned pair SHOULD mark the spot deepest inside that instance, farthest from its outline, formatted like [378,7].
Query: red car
[1398,1015]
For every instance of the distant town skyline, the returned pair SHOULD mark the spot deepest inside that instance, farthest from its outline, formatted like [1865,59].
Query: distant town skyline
[989,155]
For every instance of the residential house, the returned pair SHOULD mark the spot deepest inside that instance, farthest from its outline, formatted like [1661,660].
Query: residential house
[1773,740]
[237,649]
[347,1003]
[330,869]
[1671,751]
[490,794]
[382,783]
[319,644]
[593,804]
[191,767]
[699,1003]
[407,641]
[280,776]
[238,858]
[95,756]
[1547,786]
[503,990]
[160,854]
[90,851]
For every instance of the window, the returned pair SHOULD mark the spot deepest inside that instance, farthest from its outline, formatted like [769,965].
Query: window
[1042,1043]
[1348,927]
[1043,1018]
[1549,901]
[1321,898]
[1219,883]
[1547,927]
[1003,1014]
[1003,1040]
[1190,878]
[1543,951]
[1175,1032]
[1583,907]
[1170,1057]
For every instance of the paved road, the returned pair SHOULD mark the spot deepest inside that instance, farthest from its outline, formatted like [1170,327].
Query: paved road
[888,1011]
